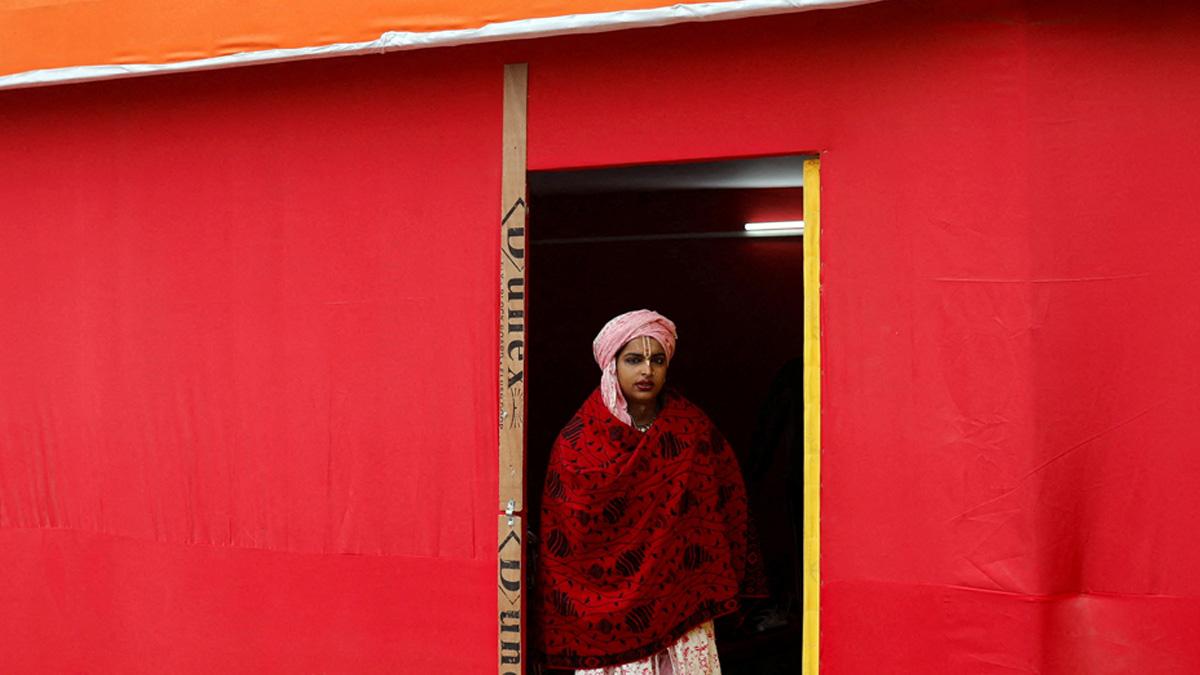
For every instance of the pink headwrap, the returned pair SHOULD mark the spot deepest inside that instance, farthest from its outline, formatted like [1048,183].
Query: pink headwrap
[615,335]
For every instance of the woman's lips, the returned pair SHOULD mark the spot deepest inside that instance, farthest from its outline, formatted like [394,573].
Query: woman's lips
[644,386]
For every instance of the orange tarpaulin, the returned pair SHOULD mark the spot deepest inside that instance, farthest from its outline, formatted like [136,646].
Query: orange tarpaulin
[40,35]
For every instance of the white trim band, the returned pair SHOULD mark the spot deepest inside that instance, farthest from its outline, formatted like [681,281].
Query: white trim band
[396,41]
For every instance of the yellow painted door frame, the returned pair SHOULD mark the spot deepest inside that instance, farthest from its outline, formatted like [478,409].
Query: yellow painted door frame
[812,417]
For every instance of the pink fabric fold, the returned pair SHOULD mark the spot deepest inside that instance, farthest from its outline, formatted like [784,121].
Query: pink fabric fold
[615,335]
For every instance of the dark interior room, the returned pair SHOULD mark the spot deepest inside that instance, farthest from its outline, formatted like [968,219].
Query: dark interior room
[674,238]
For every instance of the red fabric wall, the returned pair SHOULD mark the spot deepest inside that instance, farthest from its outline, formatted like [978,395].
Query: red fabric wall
[247,394]
[246,418]
[1009,481]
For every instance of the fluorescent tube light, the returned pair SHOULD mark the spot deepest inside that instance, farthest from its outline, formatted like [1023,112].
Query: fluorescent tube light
[778,227]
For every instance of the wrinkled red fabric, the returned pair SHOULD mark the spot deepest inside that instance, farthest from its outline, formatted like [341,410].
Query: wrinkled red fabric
[645,536]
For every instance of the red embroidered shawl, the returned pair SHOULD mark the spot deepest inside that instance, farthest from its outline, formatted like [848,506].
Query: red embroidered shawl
[644,536]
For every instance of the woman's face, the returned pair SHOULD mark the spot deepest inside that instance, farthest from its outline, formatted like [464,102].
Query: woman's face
[642,369]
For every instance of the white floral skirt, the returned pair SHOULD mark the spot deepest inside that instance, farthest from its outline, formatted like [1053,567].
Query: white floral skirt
[693,654]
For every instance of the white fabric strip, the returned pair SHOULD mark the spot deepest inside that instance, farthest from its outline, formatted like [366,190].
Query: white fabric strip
[395,41]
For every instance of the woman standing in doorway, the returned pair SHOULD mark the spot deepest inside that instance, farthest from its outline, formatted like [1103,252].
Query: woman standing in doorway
[646,534]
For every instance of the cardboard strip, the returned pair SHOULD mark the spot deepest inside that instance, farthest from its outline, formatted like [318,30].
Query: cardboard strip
[512,292]
[510,585]
[512,371]
[812,417]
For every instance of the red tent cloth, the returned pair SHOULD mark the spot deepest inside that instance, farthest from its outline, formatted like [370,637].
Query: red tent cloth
[227,301]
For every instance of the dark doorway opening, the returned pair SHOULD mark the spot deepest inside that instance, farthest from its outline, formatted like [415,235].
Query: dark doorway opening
[674,238]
